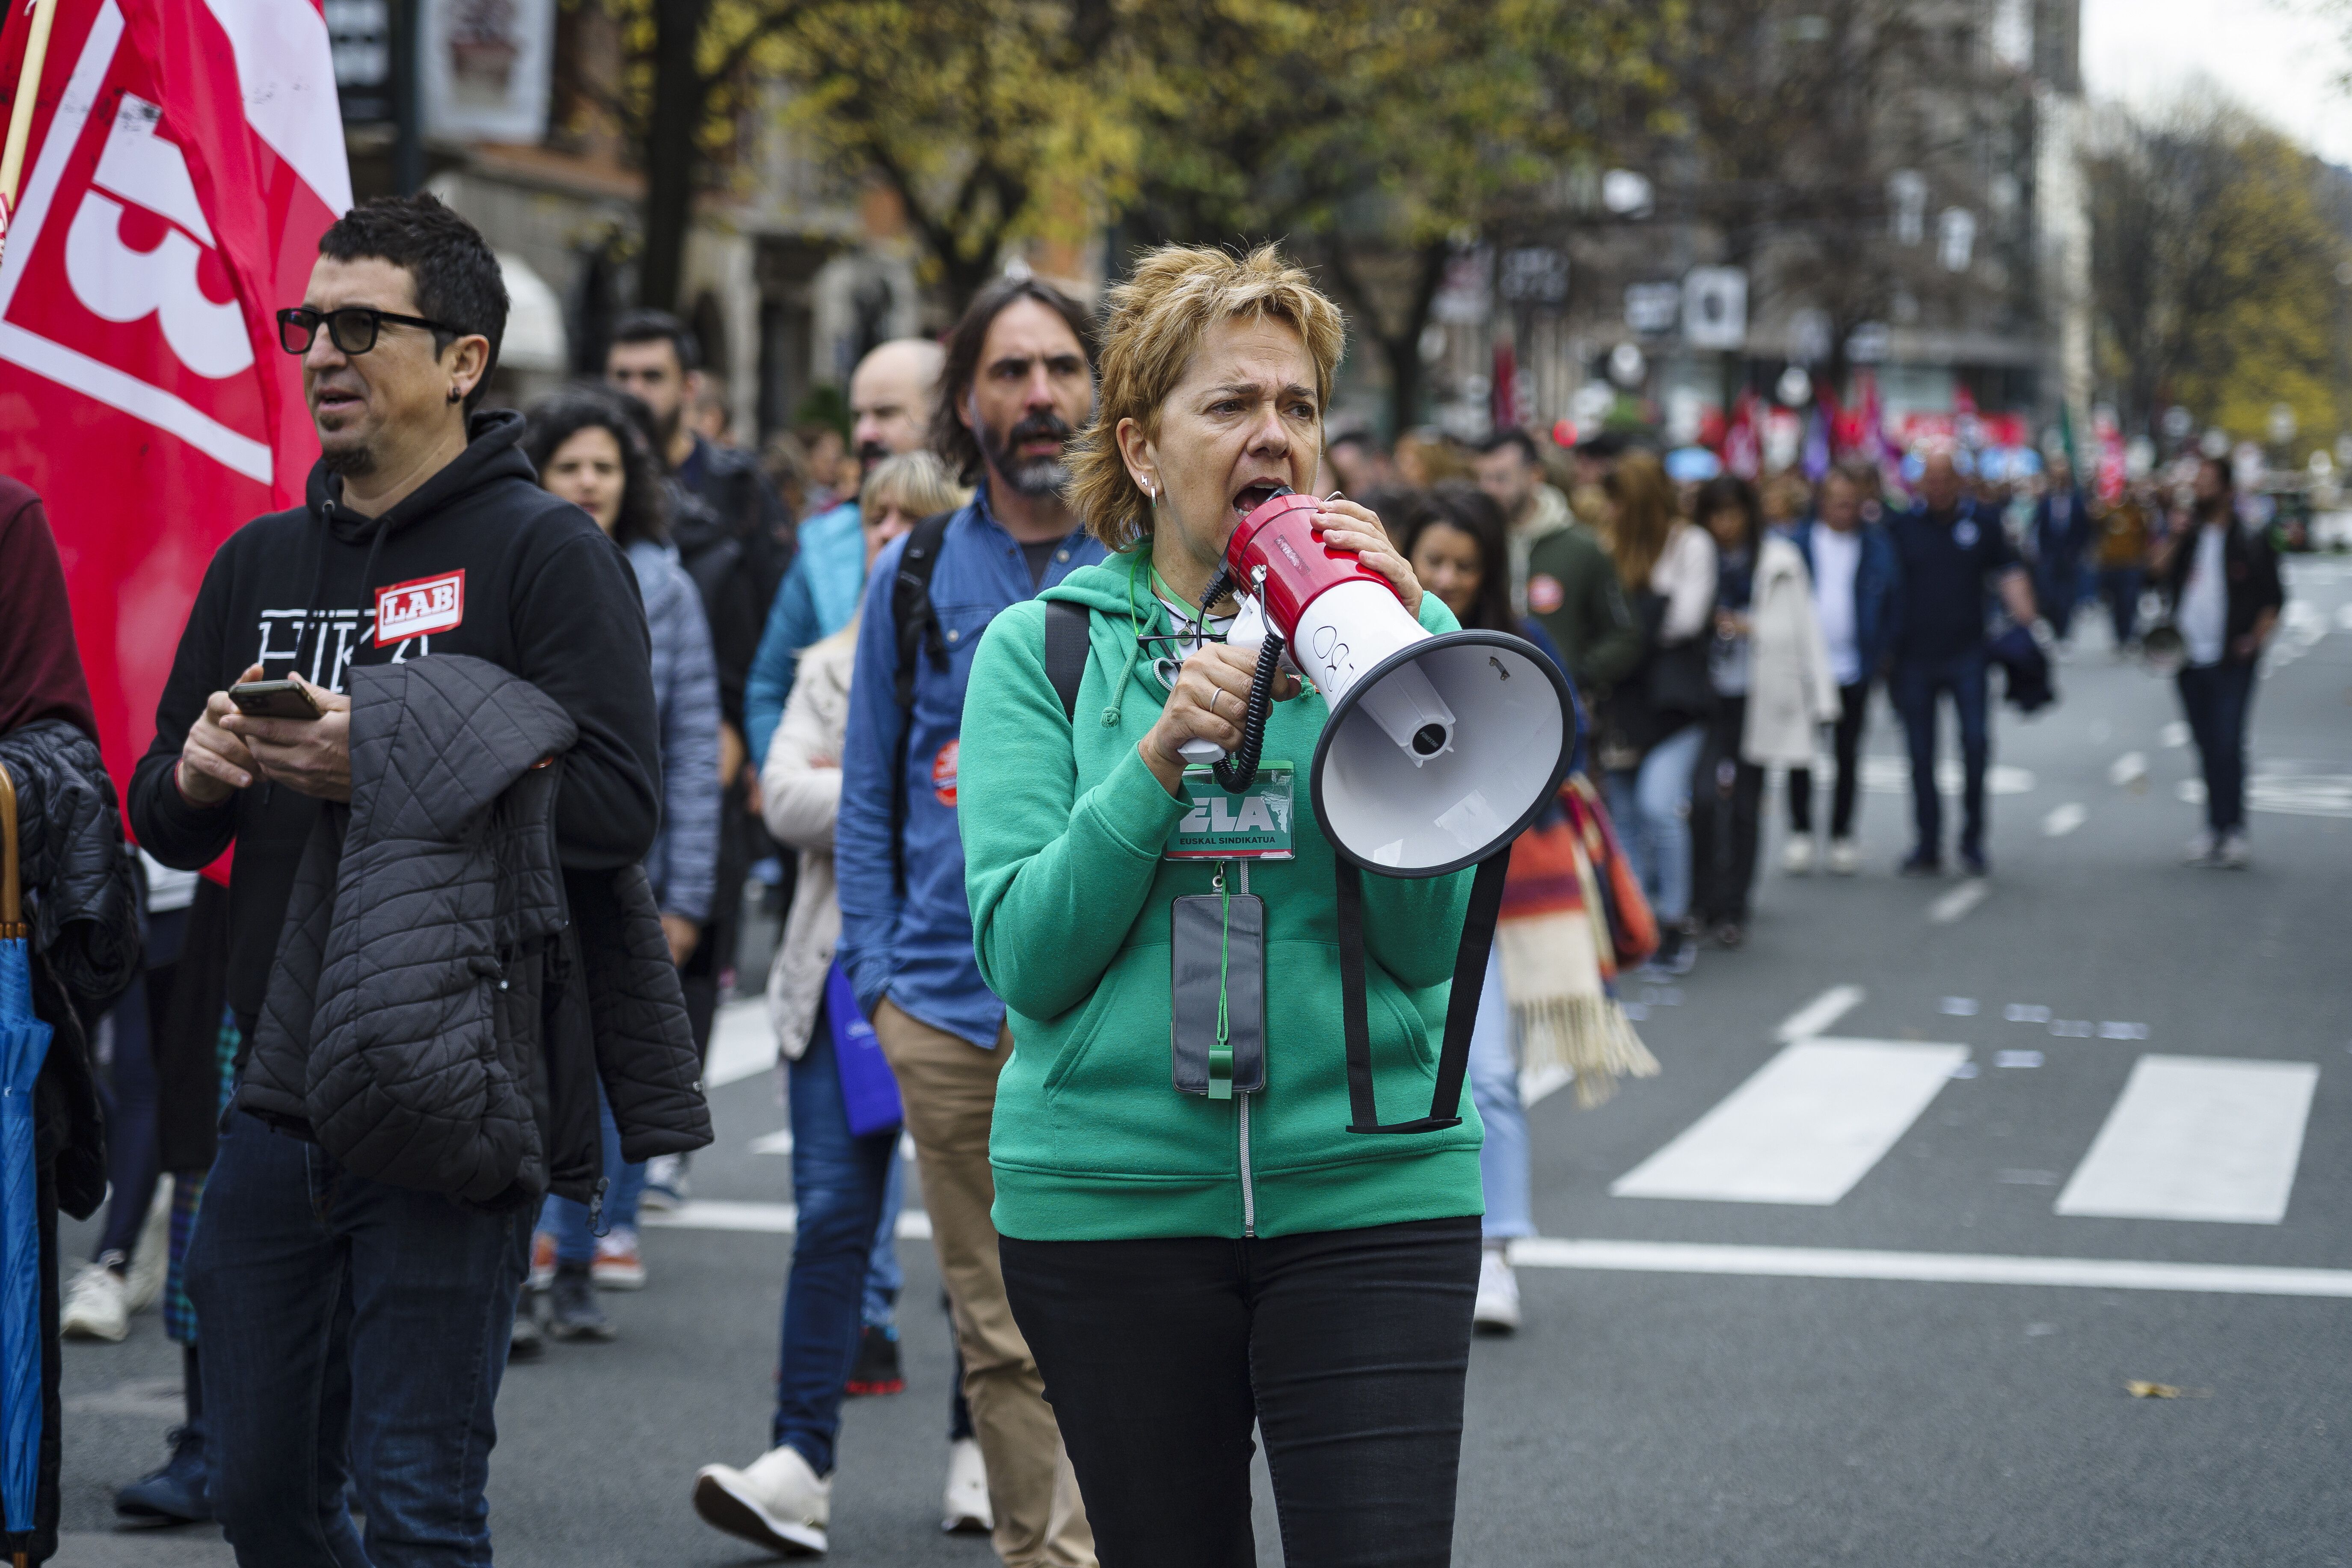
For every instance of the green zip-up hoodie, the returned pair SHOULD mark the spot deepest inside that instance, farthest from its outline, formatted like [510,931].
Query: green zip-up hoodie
[1063,827]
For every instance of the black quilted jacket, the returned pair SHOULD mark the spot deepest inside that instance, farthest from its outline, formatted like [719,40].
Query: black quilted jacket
[445,996]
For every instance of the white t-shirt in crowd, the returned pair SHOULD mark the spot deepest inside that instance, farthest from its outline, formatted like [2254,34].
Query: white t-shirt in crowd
[2204,613]
[1837,559]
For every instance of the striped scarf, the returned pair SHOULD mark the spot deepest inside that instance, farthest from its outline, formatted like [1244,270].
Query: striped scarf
[1571,917]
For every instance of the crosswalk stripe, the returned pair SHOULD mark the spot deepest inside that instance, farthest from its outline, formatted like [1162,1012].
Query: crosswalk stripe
[1819,1014]
[742,1043]
[2198,1138]
[759,1219]
[1927,1267]
[1804,1129]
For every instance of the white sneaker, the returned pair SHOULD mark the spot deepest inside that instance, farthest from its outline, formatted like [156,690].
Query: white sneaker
[777,1503]
[2198,851]
[965,1510]
[1845,859]
[1796,858]
[94,1305]
[1497,1312]
[2233,851]
[152,1260]
[666,1183]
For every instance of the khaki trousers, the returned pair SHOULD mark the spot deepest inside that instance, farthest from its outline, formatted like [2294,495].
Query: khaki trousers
[948,1086]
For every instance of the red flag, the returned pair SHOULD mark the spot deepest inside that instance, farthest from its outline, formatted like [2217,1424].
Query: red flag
[186,156]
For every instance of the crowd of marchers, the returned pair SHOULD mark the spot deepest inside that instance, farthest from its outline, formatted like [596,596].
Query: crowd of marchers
[547,689]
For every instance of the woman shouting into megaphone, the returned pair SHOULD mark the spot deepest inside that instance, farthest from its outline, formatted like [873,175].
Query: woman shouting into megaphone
[1193,1242]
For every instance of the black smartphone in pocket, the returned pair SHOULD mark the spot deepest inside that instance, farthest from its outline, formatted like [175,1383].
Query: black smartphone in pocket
[274,699]
[1217,975]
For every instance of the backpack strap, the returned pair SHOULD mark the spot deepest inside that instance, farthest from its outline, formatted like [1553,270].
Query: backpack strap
[918,635]
[1461,1010]
[1066,651]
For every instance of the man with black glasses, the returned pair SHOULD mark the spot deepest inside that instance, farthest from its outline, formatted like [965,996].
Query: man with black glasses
[355,1295]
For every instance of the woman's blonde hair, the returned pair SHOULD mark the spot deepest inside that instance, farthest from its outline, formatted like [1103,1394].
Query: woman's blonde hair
[1641,515]
[1157,320]
[918,481]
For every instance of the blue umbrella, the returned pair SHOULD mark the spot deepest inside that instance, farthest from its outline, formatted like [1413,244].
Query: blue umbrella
[24,1043]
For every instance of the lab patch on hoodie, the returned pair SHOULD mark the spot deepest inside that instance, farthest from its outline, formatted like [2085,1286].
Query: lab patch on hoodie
[419,607]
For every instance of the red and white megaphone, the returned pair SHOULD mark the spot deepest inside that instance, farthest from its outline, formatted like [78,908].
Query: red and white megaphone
[1439,750]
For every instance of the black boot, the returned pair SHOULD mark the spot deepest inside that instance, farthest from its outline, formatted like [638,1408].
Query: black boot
[175,1494]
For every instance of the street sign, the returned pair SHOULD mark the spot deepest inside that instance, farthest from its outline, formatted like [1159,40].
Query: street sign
[1652,307]
[1715,308]
[1535,275]
[359,33]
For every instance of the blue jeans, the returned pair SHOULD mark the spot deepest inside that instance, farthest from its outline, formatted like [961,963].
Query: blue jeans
[838,1180]
[575,1239]
[2121,585]
[1917,684]
[352,1329]
[884,1278]
[1494,1091]
[2217,698]
[1651,805]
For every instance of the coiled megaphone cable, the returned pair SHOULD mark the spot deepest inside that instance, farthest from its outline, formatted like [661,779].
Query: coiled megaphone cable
[1237,772]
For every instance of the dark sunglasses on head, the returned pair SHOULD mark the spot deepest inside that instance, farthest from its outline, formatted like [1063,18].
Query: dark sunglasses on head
[353,329]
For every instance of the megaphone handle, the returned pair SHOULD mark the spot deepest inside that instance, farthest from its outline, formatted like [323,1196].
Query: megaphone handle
[1461,1010]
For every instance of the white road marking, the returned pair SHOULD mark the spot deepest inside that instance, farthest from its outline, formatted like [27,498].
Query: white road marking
[759,1219]
[1959,1008]
[1538,1084]
[2198,1138]
[2064,820]
[2344,617]
[1819,1014]
[2017,1059]
[2127,769]
[2025,1012]
[2113,1030]
[1927,1267]
[2175,733]
[780,1141]
[1803,1130]
[1891,775]
[742,1044]
[1955,904]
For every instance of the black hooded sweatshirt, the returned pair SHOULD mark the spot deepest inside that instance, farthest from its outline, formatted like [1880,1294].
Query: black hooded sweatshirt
[477,559]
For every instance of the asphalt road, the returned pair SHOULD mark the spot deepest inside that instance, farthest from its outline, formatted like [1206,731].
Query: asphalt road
[1921,1362]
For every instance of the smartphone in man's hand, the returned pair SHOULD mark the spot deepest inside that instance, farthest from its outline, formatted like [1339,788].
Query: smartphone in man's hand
[274,699]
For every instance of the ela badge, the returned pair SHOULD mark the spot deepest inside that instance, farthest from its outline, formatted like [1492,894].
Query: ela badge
[1252,826]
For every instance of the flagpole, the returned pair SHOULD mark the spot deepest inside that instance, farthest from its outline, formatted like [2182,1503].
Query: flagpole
[20,116]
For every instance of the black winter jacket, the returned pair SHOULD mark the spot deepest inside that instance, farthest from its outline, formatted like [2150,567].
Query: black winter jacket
[81,901]
[445,995]
[81,887]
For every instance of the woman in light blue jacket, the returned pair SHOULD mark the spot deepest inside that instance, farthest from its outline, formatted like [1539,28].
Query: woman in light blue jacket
[588,449]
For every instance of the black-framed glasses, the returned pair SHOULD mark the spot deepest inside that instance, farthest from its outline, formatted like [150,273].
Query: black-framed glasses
[353,329]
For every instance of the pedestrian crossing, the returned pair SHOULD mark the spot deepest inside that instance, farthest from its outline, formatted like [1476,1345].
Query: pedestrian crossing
[2198,1138]
[1807,1127]
[2188,1138]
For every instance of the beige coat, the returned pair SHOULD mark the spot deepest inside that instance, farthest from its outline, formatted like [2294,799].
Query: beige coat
[1791,691]
[800,792]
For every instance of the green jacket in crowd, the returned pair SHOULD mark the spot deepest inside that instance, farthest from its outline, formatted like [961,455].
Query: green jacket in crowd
[1064,828]
[1572,589]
